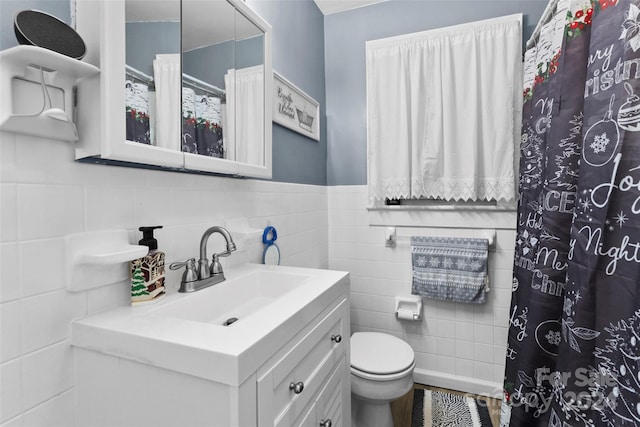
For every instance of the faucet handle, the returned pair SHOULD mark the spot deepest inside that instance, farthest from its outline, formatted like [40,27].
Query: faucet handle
[191,262]
[216,267]
[190,274]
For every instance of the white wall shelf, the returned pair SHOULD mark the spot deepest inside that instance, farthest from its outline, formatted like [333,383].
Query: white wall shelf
[99,258]
[34,64]
[242,232]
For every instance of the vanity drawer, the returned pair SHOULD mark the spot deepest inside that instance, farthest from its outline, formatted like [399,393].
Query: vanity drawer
[291,385]
[328,405]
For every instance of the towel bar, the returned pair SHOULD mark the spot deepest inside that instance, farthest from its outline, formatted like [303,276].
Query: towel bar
[391,238]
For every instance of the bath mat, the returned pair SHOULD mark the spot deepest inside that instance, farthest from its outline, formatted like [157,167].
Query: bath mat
[441,409]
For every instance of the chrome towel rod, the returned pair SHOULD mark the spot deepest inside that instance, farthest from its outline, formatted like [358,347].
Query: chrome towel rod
[195,83]
[391,237]
[133,72]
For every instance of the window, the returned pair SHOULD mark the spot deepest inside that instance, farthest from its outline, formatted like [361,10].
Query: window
[443,113]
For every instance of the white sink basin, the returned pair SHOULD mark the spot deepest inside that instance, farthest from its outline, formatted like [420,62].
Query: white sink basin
[233,299]
[185,332]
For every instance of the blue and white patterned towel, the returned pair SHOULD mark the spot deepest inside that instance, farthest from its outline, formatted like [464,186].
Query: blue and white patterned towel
[449,268]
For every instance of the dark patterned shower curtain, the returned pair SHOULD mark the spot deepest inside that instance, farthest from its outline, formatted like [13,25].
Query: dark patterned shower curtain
[573,356]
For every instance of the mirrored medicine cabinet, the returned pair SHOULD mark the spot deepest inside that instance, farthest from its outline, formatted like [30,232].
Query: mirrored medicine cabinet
[195,79]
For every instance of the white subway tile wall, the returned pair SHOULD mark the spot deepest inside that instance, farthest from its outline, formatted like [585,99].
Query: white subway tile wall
[45,195]
[462,340]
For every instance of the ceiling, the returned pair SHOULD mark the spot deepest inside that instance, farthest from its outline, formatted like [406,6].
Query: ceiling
[162,10]
[153,10]
[334,6]
[231,25]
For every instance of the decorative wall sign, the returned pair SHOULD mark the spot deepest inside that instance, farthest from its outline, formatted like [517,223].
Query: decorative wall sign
[294,109]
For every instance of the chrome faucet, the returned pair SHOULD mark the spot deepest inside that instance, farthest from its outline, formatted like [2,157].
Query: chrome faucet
[204,270]
[206,275]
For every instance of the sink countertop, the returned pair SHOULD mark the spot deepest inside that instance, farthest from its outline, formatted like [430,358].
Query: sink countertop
[228,355]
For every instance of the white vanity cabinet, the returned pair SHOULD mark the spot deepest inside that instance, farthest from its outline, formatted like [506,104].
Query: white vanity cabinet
[328,409]
[286,365]
[297,378]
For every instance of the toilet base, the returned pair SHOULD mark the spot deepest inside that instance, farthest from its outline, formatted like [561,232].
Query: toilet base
[370,413]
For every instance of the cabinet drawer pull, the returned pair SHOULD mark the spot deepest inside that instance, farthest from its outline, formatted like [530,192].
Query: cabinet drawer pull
[325,423]
[336,338]
[296,387]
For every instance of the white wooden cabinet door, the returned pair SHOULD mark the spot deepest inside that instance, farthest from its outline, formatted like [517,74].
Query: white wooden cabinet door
[101,98]
[309,419]
[330,404]
[309,363]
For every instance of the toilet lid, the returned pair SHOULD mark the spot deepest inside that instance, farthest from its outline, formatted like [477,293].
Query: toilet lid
[379,353]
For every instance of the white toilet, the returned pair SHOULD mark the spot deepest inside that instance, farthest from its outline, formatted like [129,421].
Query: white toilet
[381,371]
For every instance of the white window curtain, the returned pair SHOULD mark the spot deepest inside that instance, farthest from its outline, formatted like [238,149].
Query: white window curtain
[243,120]
[168,80]
[229,115]
[443,112]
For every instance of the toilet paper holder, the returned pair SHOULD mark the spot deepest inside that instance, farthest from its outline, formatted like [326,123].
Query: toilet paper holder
[409,308]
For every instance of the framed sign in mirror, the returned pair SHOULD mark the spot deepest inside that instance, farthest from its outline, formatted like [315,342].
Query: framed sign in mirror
[294,109]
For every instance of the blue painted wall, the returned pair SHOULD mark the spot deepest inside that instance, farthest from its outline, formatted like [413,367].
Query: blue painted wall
[309,50]
[298,55]
[345,36]
[147,39]
[194,65]
[211,63]
[58,8]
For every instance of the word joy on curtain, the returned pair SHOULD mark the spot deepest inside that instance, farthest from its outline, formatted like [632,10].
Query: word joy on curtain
[573,355]
[444,112]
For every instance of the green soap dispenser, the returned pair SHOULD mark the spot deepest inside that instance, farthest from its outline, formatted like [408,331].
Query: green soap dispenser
[147,273]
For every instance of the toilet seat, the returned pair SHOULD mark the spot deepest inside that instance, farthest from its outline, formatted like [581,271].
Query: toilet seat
[381,377]
[380,357]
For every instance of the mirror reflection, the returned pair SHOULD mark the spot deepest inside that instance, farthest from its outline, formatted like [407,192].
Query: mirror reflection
[222,83]
[152,83]
[249,92]
[207,54]
[195,79]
